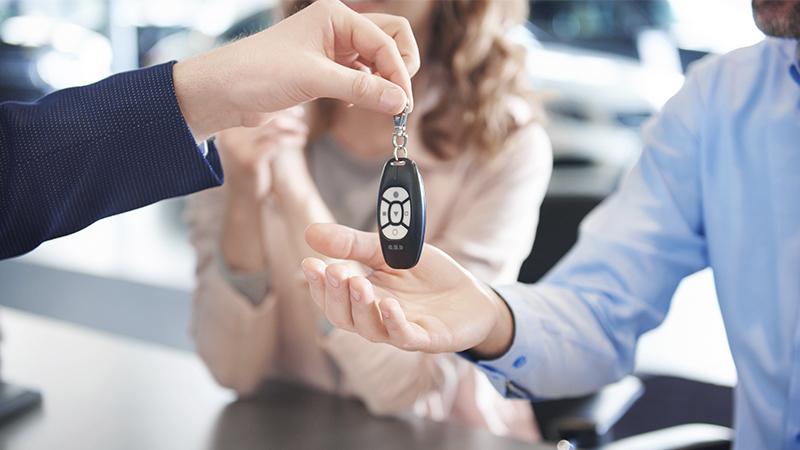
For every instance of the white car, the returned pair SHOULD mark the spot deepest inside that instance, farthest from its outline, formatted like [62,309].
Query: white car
[596,102]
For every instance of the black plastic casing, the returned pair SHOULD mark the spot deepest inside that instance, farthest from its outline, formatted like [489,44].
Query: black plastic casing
[404,253]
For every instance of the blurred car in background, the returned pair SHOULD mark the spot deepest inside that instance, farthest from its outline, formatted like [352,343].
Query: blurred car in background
[596,102]
[593,56]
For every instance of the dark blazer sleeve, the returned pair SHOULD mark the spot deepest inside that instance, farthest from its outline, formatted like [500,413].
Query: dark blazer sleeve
[81,154]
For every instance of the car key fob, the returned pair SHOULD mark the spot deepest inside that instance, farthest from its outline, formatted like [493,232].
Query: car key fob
[401,213]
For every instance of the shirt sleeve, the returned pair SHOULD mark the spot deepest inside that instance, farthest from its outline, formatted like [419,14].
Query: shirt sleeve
[253,285]
[81,154]
[577,329]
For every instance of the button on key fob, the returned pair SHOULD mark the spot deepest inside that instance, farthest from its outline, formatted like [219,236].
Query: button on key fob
[401,213]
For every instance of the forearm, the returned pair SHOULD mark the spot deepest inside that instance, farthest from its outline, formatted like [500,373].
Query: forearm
[201,93]
[501,336]
[299,199]
[238,341]
[307,211]
[241,238]
[114,138]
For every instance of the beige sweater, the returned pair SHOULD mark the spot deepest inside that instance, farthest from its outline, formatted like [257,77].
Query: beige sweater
[483,214]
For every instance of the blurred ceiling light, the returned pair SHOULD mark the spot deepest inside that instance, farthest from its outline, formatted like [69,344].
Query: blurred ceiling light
[215,19]
[30,31]
[76,55]
[79,56]
[716,26]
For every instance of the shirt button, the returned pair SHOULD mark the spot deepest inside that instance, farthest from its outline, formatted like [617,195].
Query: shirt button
[519,362]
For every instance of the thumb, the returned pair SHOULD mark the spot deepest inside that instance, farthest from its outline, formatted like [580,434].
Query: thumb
[340,242]
[362,89]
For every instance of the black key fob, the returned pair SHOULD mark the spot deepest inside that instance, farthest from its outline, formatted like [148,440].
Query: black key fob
[401,213]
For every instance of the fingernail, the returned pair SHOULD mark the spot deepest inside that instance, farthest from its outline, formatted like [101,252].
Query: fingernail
[332,281]
[356,296]
[310,275]
[392,99]
[385,314]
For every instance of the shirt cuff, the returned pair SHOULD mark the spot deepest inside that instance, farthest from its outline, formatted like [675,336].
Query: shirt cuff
[517,363]
[253,285]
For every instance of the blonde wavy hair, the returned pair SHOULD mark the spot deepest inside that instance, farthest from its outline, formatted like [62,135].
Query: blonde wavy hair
[484,79]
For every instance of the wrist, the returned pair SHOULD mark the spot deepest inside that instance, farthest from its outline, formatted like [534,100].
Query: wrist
[201,98]
[243,197]
[245,185]
[501,336]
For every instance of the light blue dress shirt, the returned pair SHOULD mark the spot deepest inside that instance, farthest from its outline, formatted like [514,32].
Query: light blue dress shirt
[718,184]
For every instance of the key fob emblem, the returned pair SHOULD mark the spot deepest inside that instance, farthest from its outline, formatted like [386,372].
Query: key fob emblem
[401,213]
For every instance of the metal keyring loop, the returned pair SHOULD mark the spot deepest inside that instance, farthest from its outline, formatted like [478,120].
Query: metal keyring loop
[405,153]
[400,132]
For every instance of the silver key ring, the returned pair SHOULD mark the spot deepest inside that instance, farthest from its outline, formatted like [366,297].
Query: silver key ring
[405,153]
[400,146]
[400,121]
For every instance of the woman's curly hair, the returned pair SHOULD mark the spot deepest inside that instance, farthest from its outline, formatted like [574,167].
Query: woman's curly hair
[485,87]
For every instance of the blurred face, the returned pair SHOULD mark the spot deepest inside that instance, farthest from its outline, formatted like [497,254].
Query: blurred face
[778,18]
[417,12]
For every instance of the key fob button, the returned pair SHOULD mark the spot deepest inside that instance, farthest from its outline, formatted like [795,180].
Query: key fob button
[395,194]
[383,215]
[407,213]
[396,213]
[395,232]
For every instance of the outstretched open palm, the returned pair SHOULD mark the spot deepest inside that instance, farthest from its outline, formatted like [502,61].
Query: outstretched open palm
[437,306]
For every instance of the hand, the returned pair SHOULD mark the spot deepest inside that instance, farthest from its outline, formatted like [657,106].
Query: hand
[325,50]
[247,153]
[435,307]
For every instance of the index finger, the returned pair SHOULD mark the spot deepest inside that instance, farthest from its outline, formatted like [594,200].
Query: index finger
[341,242]
[400,31]
[386,41]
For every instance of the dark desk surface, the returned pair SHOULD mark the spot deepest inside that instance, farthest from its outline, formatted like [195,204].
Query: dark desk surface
[105,390]
[290,417]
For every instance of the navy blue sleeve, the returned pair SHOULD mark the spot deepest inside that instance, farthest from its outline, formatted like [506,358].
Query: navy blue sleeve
[81,154]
